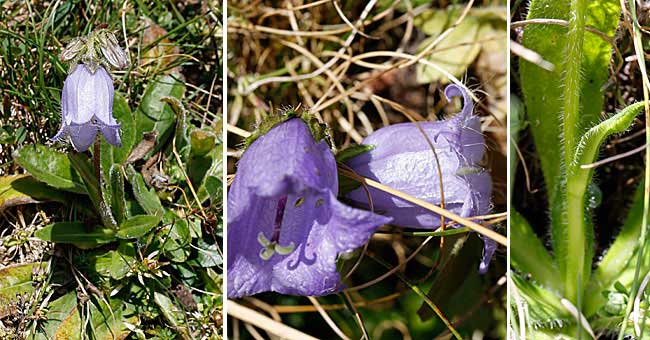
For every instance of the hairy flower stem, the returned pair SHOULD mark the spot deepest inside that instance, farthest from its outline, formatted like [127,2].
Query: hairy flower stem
[104,210]
[572,214]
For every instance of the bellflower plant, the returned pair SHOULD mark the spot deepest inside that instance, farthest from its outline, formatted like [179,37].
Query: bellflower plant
[286,226]
[87,97]
[402,159]
[87,107]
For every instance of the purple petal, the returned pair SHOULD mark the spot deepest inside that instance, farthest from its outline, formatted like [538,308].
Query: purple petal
[286,169]
[489,246]
[112,134]
[86,107]
[287,159]
[82,136]
[403,159]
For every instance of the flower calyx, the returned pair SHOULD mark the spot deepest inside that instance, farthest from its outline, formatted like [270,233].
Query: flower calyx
[98,48]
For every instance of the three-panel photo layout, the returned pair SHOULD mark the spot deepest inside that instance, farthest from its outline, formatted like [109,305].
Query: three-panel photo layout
[329,169]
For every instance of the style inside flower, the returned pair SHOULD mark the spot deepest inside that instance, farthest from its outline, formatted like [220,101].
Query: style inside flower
[285,224]
[87,108]
[403,159]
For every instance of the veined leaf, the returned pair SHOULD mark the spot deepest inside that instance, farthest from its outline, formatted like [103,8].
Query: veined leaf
[49,166]
[75,233]
[147,198]
[111,154]
[154,114]
[528,255]
[16,280]
[24,189]
[137,226]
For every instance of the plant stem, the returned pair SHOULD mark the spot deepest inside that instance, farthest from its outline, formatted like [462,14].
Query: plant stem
[572,215]
[638,47]
[97,159]
[104,210]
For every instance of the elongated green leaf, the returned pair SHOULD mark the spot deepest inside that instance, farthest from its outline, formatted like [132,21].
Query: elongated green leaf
[76,233]
[24,189]
[147,198]
[172,313]
[118,200]
[528,255]
[137,226]
[123,259]
[544,307]
[561,105]
[83,166]
[15,281]
[106,323]
[590,142]
[112,154]
[60,310]
[210,180]
[209,254]
[618,258]
[543,93]
[153,114]
[177,241]
[50,167]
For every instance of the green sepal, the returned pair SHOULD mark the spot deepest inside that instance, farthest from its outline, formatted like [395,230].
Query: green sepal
[320,131]
[352,151]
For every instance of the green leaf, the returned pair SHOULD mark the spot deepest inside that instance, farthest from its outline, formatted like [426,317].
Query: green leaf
[619,262]
[153,114]
[123,259]
[352,151]
[454,53]
[202,141]
[50,167]
[542,90]
[176,245]
[432,22]
[76,233]
[528,255]
[24,189]
[106,322]
[542,305]
[118,198]
[16,280]
[172,313]
[202,168]
[459,263]
[112,154]
[137,226]
[63,309]
[211,188]
[209,255]
[147,198]
[83,166]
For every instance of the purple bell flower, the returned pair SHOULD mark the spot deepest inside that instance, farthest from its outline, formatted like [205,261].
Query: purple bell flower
[402,159]
[285,224]
[87,107]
